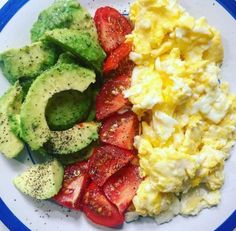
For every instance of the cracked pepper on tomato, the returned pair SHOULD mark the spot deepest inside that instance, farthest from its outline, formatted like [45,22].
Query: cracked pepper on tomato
[161,73]
[104,186]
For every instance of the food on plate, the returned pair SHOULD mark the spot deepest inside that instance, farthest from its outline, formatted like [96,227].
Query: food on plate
[110,99]
[73,139]
[99,209]
[120,130]
[186,110]
[66,57]
[10,144]
[114,60]
[75,181]
[66,108]
[41,181]
[107,160]
[121,187]
[87,50]
[29,61]
[35,130]
[81,155]
[131,114]
[63,14]
[14,108]
[112,28]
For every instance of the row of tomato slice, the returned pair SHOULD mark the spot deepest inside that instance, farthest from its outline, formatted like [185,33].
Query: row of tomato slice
[103,187]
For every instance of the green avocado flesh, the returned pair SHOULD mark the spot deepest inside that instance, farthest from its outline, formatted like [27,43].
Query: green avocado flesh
[92,113]
[82,155]
[25,84]
[41,181]
[73,139]
[10,144]
[81,44]
[34,128]
[66,58]
[14,109]
[28,61]
[66,108]
[63,14]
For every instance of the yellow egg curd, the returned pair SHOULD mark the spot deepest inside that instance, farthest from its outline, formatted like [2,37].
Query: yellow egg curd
[187,112]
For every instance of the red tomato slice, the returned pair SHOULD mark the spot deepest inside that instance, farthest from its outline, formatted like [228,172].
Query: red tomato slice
[114,59]
[107,160]
[110,99]
[112,28]
[99,209]
[74,183]
[120,130]
[121,187]
[125,67]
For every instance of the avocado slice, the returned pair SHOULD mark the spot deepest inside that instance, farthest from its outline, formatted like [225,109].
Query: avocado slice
[41,181]
[25,84]
[67,108]
[10,144]
[28,61]
[14,109]
[82,155]
[72,140]
[63,14]
[66,57]
[34,128]
[92,114]
[81,44]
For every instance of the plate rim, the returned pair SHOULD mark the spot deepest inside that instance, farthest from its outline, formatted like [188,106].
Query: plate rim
[7,12]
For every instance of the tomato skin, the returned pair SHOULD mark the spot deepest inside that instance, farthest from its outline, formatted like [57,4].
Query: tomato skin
[107,160]
[125,68]
[99,209]
[112,27]
[110,98]
[75,181]
[114,60]
[121,187]
[120,130]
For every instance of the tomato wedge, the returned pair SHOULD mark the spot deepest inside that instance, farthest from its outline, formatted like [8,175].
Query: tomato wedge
[112,28]
[120,130]
[99,209]
[121,187]
[110,99]
[125,67]
[107,160]
[74,183]
[115,58]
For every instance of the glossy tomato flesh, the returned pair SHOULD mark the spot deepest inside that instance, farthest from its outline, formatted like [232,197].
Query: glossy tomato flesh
[99,209]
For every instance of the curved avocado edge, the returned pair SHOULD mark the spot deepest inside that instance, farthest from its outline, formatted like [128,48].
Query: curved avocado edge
[41,181]
[34,127]
[10,144]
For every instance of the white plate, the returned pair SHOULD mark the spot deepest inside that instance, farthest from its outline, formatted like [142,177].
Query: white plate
[49,216]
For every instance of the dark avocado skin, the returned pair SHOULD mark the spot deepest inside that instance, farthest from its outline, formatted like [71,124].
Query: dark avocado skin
[78,156]
[92,113]
[80,44]
[28,61]
[25,84]
[63,14]
[67,108]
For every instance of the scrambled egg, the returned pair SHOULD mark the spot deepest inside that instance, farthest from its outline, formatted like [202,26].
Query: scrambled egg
[187,112]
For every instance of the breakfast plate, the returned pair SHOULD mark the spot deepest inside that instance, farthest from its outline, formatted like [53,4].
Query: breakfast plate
[19,212]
